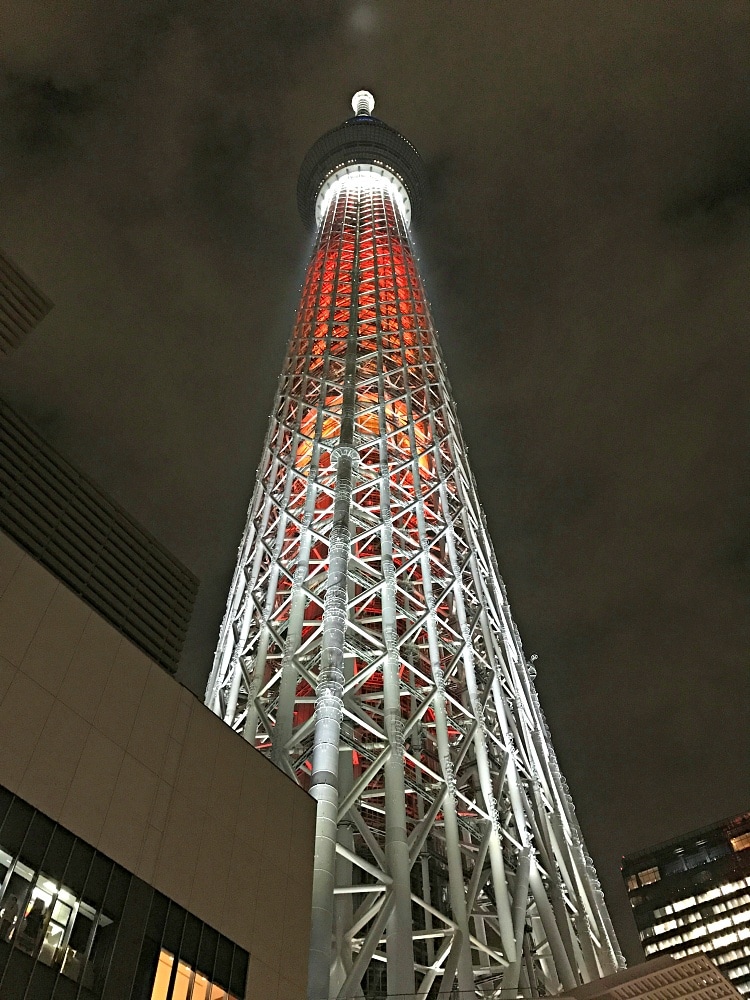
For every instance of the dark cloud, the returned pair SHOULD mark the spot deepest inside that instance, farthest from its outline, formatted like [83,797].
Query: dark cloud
[586,253]
[719,202]
[40,114]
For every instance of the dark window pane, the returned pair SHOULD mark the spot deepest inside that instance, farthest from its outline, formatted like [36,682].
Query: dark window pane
[6,798]
[157,918]
[146,971]
[190,939]
[173,930]
[207,951]
[15,826]
[79,936]
[58,852]
[223,967]
[17,974]
[37,839]
[117,892]
[78,867]
[101,951]
[96,883]
[66,989]
[239,972]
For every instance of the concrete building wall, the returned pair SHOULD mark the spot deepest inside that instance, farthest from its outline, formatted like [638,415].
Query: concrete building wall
[102,740]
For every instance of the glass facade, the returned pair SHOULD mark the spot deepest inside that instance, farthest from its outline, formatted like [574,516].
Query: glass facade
[692,895]
[73,924]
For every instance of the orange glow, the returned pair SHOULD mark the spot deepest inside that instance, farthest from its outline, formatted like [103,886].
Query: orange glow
[188,984]
[367,423]
[163,973]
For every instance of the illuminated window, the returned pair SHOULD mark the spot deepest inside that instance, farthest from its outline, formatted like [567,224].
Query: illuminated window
[46,920]
[632,882]
[649,875]
[163,976]
[183,982]
[740,843]
[683,904]
[201,988]
[668,925]
[178,981]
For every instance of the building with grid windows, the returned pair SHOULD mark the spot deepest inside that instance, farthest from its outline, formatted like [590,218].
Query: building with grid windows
[691,895]
[147,852]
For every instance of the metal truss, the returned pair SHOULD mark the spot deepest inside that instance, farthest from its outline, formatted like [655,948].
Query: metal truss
[368,649]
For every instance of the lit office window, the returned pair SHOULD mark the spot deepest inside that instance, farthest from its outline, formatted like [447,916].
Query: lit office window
[740,843]
[649,875]
[176,980]
[63,914]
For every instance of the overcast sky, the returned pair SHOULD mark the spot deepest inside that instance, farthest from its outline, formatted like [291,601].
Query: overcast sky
[587,254]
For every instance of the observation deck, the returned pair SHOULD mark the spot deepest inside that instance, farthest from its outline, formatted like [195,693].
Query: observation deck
[361,141]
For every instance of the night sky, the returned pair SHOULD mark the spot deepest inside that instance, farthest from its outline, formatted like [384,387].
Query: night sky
[587,255]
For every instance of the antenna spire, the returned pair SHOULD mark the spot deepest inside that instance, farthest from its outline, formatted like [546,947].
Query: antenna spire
[363,102]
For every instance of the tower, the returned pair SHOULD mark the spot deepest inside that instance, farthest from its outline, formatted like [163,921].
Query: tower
[368,647]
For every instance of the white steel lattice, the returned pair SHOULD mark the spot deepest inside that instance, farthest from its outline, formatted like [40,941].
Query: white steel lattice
[369,650]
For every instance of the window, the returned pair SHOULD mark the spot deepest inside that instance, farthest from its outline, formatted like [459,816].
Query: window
[45,919]
[632,882]
[69,908]
[683,904]
[740,843]
[184,959]
[648,875]
[668,925]
[176,980]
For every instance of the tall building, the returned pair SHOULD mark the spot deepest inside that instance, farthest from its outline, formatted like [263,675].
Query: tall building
[116,783]
[691,895]
[368,647]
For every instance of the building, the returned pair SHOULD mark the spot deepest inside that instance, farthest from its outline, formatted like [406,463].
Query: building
[691,895]
[22,306]
[368,647]
[62,519]
[145,849]
[694,978]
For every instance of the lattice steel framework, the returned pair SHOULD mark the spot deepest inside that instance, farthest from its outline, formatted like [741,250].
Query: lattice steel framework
[369,650]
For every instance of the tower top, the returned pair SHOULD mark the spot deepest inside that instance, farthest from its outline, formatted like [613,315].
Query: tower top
[362,140]
[363,103]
